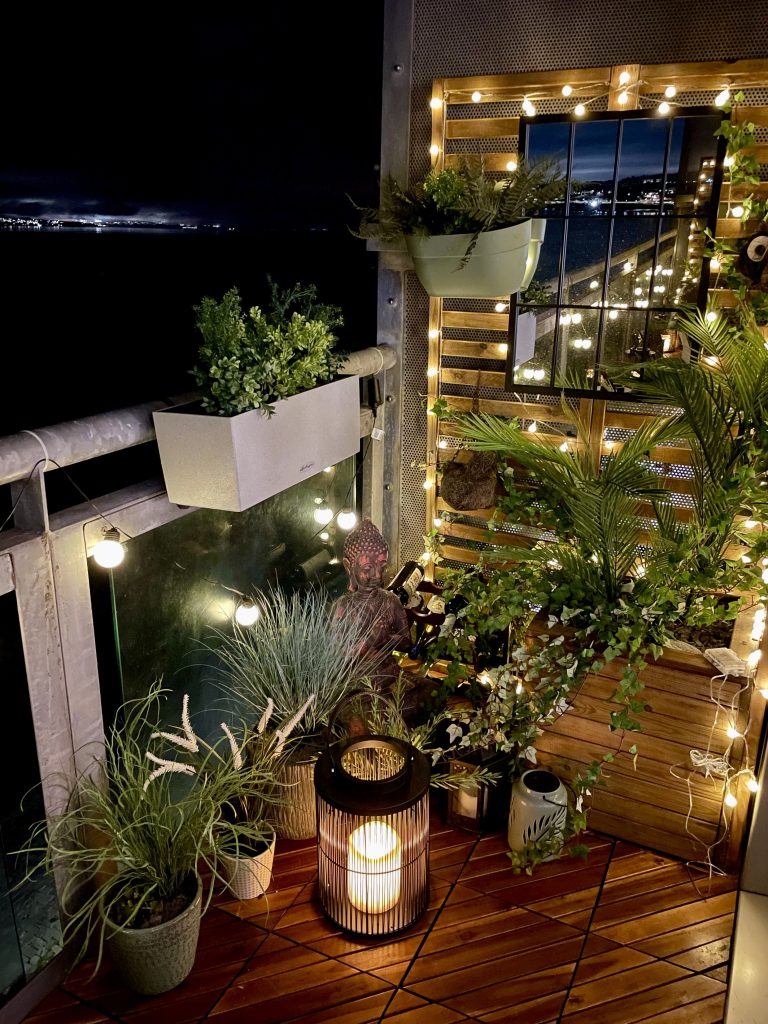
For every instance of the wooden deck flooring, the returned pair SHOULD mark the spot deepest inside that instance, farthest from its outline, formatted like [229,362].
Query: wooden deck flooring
[624,937]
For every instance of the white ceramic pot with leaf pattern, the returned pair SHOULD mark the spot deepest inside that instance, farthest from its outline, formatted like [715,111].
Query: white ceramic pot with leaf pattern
[539,807]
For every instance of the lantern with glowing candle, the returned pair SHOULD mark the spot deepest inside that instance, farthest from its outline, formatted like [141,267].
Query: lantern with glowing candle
[373,834]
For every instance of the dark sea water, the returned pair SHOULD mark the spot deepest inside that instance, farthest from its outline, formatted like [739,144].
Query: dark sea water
[92,321]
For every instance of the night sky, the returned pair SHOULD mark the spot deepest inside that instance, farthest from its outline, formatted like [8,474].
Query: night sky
[257,118]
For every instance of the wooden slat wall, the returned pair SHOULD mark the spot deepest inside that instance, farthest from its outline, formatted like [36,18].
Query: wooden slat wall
[645,804]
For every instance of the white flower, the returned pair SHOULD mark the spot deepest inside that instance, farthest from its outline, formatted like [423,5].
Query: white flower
[237,758]
[165,767]
[454,731]
[281,735]
[531,755]
[266,716]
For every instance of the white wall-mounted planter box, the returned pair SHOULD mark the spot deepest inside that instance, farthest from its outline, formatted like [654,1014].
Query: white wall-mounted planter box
[502,262]
[234,462]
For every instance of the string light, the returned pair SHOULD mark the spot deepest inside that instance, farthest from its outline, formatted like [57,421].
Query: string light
[501,307]
[733,733]
[246,612]
[729,161]
[427,484]
[752,784]
[346,519]
[434,149]
[433,333]
[663,107]
[749,524]
[325,535]
[714,263]
[533,427]
[435,103]
[437,522]
[567,90]
[670,92]
[328,469]
[563,447]
[613,315]
[528,108]
[624,77]
[442,443]
[503,348]
[737,211]
[432,371]
[730,799]
[710,360]
[623,97]
[579,110]
[476,96]
[323,514]
[109,552]
[512,165]
[722,97]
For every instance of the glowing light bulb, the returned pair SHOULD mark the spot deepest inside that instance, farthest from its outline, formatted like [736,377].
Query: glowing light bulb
[663,107]
[729,161]
[714,263]
[512,165]
[346,519]
[576,318]
[433,333]
[434,149]
[638,291]
[579,110]
[613,315]
[710,360]
[640,570]
[435,103]
[764,694]
[323,515]
[722,97]
[247,612]
[752,784]
[527,374]
[670,92]
[328,469]
[563,447]
[594,284]
[624,77]
[325,535]
[442,443]
[754,658]
[628,267]
[432,371]
[109,552]
[749,524]
[427,484]
[503,348]
[484,679]
[539,374]
[437,522]
[501,307]
[528,108]
[533,427]
[732,733]
[737,211]
[567,90]
[746,560]
[476,96]
[425,557]
[730,800]
[623,97]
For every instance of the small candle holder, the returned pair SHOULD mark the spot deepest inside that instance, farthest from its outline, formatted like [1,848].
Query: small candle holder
[373,834]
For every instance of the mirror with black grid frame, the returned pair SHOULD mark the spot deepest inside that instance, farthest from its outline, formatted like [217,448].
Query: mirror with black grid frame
[622,251]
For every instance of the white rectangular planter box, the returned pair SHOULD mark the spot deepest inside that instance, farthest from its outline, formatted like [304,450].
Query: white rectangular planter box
[234,462]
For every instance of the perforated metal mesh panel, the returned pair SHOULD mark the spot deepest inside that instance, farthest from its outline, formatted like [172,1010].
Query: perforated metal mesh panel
[490,37]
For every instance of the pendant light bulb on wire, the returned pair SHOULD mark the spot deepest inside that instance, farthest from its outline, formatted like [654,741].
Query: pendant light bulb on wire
[346,519]
[323,515]
[109,552]
[246,612]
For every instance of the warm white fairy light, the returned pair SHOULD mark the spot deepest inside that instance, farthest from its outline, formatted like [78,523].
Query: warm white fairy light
[501,307]
[729,161]
[425,557]
[346,519]
[749,524]
[722,97]
[528,108]
[752,784]
[714,263]
[737,211]
[437,522]
[432,371]
[613,315]
[539,374]
[567,90]
[435,103]
[670,92]
[563,447]
[733,733]
[323,514]
[746,560]
[433,333]
[624,77]
[476,96]
[576,318]
[663,107]
[512,165]
[710,360]
[442,443]
[758,624]
[533,427]
[594,284]
[325,535]
[427,484]
[109,552]
[246,612]
[503,348]
[579,110]
[623,97]
[730,800]
[434,149]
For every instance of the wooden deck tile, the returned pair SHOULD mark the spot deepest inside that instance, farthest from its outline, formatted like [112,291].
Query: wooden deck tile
[623,938]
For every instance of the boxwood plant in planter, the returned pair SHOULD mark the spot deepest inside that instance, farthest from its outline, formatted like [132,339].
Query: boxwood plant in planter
[469,235]
[271,414]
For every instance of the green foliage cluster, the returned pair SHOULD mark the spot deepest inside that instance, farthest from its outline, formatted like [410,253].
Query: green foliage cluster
[462,201]
[250,361]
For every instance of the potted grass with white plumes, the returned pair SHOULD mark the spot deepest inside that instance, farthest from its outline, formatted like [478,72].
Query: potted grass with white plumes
[297,654]
[137,830]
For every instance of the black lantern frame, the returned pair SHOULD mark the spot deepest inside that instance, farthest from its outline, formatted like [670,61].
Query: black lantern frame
[373,834]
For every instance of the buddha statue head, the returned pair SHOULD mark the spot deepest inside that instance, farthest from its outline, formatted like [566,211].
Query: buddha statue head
[365,557]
